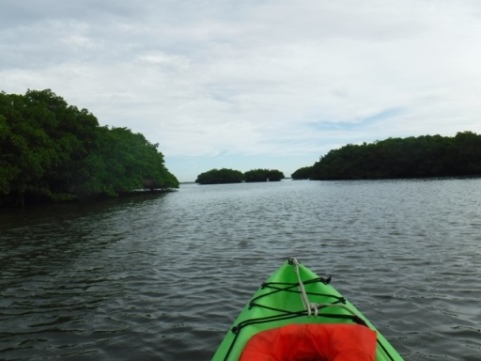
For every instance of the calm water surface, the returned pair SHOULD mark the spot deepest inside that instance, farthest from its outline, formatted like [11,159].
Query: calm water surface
[163,277]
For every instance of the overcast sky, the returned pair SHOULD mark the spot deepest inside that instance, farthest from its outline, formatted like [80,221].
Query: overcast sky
[253,83]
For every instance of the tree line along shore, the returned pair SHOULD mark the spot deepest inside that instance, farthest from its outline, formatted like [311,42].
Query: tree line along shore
[394,158]
[51,151]
[413,157]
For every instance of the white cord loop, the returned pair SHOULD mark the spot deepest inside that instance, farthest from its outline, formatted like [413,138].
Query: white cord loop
[302,289]
[313,307]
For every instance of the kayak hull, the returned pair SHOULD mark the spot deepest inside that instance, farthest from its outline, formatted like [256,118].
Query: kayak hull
[280,302]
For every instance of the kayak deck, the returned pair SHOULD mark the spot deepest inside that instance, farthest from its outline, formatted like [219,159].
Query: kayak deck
[295,295]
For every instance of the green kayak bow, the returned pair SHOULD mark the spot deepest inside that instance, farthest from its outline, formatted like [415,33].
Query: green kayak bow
[294,296]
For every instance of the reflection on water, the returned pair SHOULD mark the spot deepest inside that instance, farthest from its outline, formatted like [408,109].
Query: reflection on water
[163,277]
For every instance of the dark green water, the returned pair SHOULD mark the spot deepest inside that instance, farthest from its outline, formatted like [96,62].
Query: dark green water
[162,278]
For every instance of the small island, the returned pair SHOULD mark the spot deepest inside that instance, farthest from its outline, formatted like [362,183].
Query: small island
[225,175]
[263,175]
[218,176]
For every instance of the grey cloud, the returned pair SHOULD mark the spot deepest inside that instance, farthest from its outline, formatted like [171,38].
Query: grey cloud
[30,12]
[255,76]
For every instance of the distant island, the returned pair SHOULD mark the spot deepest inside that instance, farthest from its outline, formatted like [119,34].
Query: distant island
[51,151]
[413,157]
[225,175]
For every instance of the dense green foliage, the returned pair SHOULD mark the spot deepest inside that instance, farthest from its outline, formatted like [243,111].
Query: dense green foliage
[302,173]
[424,156]
[51,151]
[224,175]
[263,175]
[216,176]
